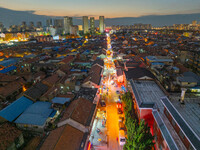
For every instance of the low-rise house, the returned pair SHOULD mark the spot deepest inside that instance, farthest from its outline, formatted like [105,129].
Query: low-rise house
[52,81]
[51,93]
[36,91]
[11,138]
[39,76]
[188,79]
[99,62]
[76,122]
[159,59]
[11,90]
[137,73]
[93,79]
[15,109]
[159,65]
[9,70]
[91,94]
[60,103]
[36,117]
[5,79]
[67,60]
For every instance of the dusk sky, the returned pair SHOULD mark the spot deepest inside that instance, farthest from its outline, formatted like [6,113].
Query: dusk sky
[108,8]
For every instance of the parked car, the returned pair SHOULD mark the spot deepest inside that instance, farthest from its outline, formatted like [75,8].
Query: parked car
[122,126]
[121,119]
[117,92]
[103,103]
[119,111]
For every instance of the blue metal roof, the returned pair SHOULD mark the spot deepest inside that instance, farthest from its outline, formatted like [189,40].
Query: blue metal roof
[53,113]
[157,63]
[6,70]
[12,111]
[8,62]
[60,100]
[36,114]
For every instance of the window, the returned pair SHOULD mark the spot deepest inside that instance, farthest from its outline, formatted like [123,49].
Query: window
[181,134]
[173,123]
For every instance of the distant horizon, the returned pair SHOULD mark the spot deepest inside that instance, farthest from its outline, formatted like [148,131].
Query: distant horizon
[97,16]
[111,8]
[10,17]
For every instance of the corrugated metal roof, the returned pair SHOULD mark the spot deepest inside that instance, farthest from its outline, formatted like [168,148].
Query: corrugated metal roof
[11,68]
[36,114]
[8,62]
[12,111]
[183,125]
[164,131]
[60,100]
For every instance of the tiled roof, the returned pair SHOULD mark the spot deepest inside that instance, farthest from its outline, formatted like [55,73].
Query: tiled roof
[12,111]
[71,139]
[36,91]
[11,88]
[8,135]
[82,111]
[52,80]
[52,139]
[99,61]
[95,69]
[136,73]
[79,110]
[68,59]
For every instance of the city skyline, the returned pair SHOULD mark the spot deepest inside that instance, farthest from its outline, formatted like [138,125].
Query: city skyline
[110,9]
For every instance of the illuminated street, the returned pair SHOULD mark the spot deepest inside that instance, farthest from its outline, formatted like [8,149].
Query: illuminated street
[112,115]
[109,133]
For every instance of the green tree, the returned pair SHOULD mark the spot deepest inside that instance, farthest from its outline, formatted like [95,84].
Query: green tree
[138,134]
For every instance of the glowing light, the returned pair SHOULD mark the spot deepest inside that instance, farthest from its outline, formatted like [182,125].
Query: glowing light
[89,146]
[24,88]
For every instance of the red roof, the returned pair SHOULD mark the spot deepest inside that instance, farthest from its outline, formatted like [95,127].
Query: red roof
[68,59]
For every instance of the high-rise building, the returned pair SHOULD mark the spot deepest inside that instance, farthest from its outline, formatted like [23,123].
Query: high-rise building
[59,26]
[92,25]
[49,22]
[101,24]
[67,24]
[85,24]
[58,23]
[80,27]
[39,24]
[74,30]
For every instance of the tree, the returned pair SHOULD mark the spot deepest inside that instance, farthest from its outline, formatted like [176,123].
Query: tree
[138,134]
